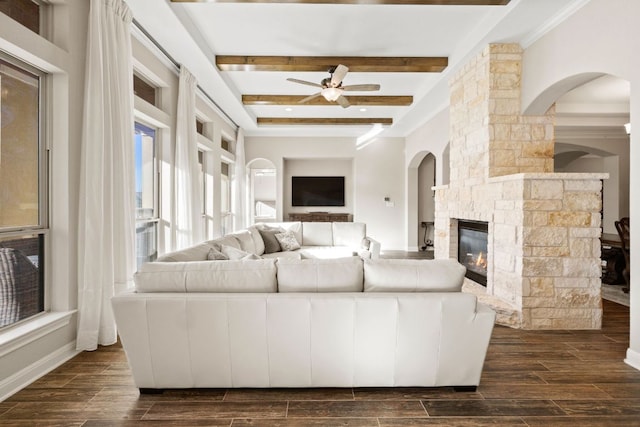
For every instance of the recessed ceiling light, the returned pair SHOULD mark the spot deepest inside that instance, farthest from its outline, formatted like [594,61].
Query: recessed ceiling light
[288,109]
[363,109]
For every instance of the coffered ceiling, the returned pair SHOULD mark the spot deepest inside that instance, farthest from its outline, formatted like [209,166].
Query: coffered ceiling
[244,52]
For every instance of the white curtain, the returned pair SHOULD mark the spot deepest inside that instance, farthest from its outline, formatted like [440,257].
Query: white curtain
[106,223]
[187,185]
[240,193]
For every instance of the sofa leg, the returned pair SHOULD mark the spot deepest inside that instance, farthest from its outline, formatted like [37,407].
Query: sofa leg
[151,390]
[465,388]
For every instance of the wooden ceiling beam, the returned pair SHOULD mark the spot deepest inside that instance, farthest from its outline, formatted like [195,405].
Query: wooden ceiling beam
[353,100]
[389,2]
[292,121]
[356,64]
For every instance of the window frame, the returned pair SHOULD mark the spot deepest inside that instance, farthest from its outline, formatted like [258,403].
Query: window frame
[42,228]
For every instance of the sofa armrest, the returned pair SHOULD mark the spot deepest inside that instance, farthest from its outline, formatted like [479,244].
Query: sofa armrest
[374,248]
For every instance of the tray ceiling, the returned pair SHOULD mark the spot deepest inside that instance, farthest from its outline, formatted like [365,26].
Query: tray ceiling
[242,54]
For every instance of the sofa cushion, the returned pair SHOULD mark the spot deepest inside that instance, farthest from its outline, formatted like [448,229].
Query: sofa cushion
[411,275]
[287,241]
[257,239]
[228,240]
[283,254]
[326,252]
[271,244]
[317,234]
[226,276]
[320,275]
[198,252]
[246,241]
[348,233]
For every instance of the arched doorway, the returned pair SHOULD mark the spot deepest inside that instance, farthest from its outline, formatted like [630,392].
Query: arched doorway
[421,178]
[262,190]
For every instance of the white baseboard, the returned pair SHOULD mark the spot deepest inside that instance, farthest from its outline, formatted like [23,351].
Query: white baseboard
[31,373]
[633,359]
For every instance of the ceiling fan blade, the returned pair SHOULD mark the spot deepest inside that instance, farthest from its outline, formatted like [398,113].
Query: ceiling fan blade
[344,102]
[304,82]
[309,98]
[361,87]
[338,75]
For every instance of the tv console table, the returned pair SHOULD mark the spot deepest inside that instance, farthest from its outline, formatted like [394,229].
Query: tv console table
[321,217]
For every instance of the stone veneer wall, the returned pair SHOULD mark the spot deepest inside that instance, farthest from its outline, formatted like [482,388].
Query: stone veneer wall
[544,228]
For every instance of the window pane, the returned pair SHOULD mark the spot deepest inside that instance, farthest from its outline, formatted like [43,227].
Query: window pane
[26,12]
[146,242]
[21,277]
[146,195]
[19,147]
[145,172]
[144,90]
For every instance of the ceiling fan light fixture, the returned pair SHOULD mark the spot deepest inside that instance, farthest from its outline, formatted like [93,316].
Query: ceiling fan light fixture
[331,94]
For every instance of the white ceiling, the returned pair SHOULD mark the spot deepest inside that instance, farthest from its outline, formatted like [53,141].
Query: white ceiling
[194,33]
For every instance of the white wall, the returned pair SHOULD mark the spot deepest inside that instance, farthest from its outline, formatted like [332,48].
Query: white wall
[318,167]
[377,173]
[600,38]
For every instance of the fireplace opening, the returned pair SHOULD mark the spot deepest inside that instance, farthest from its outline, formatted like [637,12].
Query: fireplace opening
[472,249]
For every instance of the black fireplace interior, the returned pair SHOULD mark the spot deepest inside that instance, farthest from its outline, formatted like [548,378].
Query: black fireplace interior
[472,249]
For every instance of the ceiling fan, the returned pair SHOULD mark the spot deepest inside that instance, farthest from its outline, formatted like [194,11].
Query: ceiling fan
[332,86]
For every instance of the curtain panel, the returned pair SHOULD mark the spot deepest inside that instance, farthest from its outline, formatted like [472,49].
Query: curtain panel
[239,187]
[106,222]
[188,190]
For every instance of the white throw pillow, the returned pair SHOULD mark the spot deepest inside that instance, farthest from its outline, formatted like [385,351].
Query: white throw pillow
[207,276]
[287,241]
[216,255]
[257,239]
[412,275]
[320,275]
[245,239]
[232,253]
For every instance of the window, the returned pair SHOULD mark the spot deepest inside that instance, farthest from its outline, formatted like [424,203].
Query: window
[202,177]
[200,127]
[144,90]
[225,144]
[146,194]
[23,189]
[225,199]
[26,12]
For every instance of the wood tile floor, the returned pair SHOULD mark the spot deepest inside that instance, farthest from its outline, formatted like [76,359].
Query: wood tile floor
[531,378]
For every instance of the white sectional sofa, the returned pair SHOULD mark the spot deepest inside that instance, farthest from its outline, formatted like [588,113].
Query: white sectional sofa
[342,322]
[314,240]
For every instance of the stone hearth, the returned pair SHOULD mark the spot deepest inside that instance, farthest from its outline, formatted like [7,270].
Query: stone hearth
[543,266]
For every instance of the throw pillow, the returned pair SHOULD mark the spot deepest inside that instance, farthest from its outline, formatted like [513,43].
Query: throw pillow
[287,241]
[216,255]
[271,243]
[233,253]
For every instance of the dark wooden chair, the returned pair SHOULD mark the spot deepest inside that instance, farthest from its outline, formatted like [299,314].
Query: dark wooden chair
[623,230]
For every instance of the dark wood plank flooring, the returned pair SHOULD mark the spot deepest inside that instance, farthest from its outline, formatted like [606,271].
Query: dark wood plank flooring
[531,378]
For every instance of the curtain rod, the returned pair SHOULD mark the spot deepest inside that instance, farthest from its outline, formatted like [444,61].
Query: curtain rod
[177,65]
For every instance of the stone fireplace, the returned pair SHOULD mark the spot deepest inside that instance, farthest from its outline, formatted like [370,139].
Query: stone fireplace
[543,228]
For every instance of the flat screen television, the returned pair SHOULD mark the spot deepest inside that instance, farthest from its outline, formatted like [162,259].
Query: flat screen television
[317,190]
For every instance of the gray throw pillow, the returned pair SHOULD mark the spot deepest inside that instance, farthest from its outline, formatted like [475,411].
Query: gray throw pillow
[271,244]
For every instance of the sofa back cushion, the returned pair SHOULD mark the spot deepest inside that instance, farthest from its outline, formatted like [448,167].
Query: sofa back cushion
[348,233]
[411,275]
[257,239]
[198,252]
[208,276]
[320,275]
[246,241]
[317,234]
